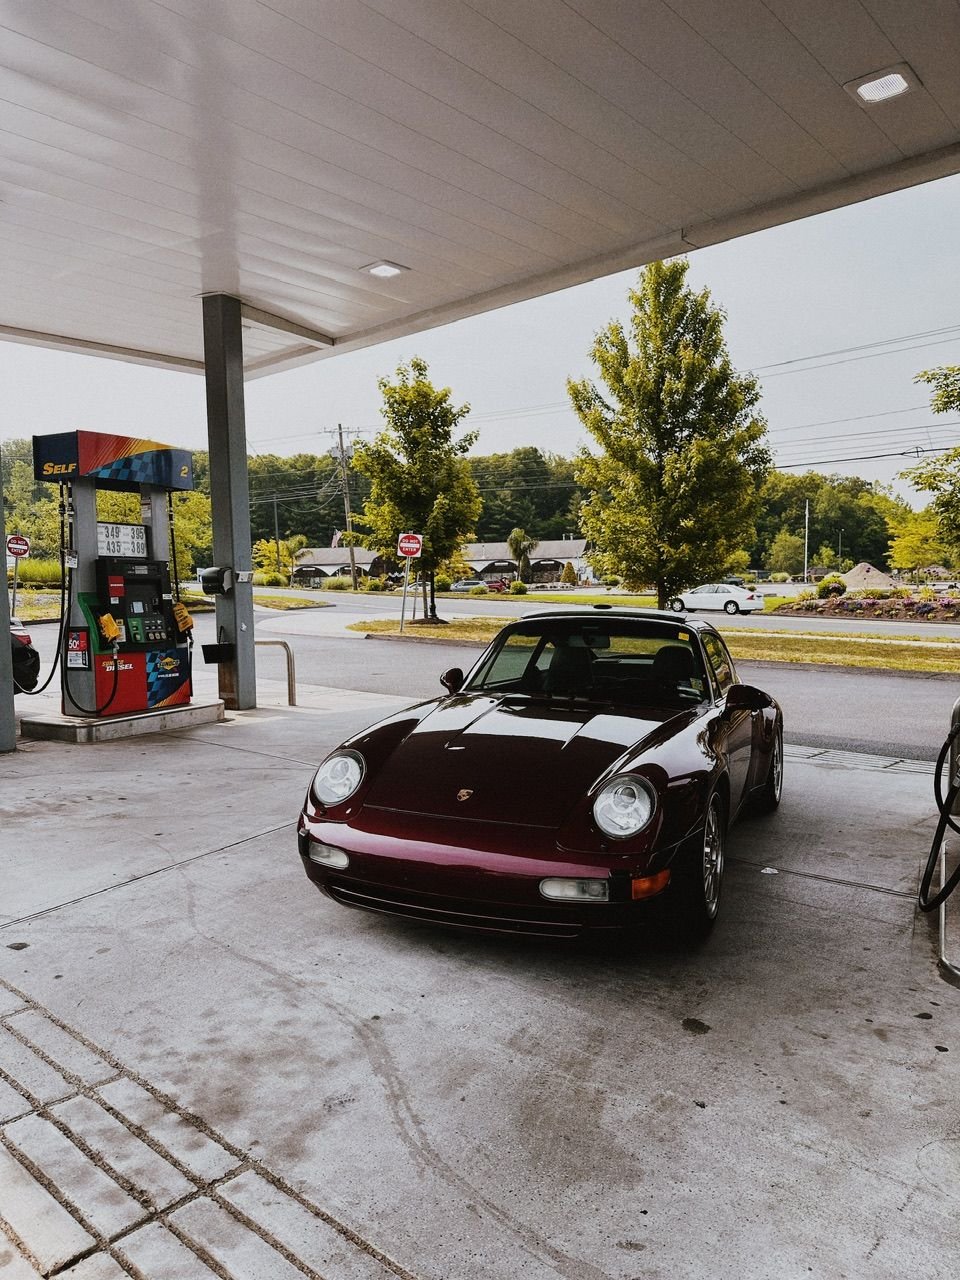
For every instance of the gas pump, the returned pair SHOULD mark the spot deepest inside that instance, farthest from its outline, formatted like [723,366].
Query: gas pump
[125,638]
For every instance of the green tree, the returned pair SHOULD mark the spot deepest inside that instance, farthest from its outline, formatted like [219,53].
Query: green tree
[419,479]
[527,489]
[569,575]
[785,554]
[521,544]
[738,563]
[945,381]
[847,506]
[917,543]
[674,490]
[940,475]
[280,557]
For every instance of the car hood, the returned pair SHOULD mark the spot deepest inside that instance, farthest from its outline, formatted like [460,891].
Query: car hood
[507,760]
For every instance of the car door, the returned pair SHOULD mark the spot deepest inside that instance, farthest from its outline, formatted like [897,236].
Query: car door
[737,722]
[702,597]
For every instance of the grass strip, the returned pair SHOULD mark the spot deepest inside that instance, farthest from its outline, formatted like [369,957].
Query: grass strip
[904,653]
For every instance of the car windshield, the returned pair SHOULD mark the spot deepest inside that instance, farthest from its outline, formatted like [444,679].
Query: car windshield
[622,661]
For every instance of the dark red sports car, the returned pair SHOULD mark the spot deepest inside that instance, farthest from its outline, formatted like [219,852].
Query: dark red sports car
[589,763]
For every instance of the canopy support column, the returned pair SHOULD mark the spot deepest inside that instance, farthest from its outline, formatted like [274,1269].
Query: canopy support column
[229,493]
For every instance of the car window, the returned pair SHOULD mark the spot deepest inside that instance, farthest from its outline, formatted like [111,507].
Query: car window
[518,654]
[623,662]
[719,659]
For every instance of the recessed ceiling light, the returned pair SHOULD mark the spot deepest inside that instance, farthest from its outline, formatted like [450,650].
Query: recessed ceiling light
[384,269]
[881,86]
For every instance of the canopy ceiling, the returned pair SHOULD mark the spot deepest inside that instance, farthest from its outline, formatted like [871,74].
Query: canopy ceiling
[495,149]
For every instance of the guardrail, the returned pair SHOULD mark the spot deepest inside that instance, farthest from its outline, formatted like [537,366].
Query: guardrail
[291,668]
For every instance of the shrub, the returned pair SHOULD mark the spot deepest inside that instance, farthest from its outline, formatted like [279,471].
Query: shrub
[263,578]
[518,588]
[832,585]
[36,573]
[441,583]
[479,591]
[338,583]
[806,595]
[372,584]
[779,577]
[611,580]
[569,575]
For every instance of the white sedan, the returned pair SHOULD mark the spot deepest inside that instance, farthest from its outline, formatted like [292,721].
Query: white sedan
[718,595]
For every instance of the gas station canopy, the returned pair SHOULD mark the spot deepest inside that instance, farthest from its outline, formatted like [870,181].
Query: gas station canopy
[356,170]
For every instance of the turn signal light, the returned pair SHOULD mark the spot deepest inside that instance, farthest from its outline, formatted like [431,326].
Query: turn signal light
[648,886]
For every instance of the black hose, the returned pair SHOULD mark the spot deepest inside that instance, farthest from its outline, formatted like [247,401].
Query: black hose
[95,711]
[32,693]
[945,805]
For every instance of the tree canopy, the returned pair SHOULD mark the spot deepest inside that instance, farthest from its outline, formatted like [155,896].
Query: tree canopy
[844,511]
[419,480]
[940,475]
[673,493]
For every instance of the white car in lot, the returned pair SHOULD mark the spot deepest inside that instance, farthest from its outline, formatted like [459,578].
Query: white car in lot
[717,595]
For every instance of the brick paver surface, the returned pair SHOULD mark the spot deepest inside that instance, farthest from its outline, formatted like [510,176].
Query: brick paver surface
[102,1176]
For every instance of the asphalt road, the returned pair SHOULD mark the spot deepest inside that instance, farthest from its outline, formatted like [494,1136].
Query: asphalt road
[882,713]
[877,712]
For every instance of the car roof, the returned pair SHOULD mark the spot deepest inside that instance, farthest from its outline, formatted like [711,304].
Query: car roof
[624,612]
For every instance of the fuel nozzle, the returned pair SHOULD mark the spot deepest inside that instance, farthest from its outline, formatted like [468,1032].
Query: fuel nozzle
[109,629]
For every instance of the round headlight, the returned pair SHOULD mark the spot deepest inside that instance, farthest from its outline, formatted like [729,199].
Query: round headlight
[338,777]
[624,806]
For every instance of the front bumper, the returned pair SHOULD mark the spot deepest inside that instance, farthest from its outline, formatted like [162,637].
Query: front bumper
[425,869]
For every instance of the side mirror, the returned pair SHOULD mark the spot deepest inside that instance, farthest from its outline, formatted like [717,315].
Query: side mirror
[748,697]
[452,680]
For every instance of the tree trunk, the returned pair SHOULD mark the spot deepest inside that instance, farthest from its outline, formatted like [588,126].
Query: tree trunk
[433,599]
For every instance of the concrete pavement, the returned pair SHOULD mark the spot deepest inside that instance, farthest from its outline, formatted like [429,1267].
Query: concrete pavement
[206,1068]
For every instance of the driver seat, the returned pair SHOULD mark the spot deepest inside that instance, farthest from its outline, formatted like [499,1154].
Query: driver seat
[673,666]
[570,671]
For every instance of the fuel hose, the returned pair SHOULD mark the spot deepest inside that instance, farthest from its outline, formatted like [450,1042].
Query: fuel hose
[945,803]
[63,604]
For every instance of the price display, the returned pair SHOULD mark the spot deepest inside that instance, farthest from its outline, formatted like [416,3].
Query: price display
[121,540]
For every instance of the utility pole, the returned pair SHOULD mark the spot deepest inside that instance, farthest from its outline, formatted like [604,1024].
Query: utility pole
[345,477]
[276,532]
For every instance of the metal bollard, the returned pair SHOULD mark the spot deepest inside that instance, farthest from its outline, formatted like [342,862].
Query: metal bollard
[291,669]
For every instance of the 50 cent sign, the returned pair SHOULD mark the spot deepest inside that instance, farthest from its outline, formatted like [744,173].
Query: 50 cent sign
[410,545]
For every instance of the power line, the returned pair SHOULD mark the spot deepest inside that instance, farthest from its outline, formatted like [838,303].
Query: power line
[930,429]
[864,346]
[866,457]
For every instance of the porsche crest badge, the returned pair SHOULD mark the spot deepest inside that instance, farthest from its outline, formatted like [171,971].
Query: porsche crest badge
[464,794]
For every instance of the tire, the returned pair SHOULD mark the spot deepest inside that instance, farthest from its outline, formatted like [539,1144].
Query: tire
[731,607]
[702,882]
[768,797]
[677,605]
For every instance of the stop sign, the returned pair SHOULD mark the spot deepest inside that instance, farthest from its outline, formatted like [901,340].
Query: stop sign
[410,544]
[18,545]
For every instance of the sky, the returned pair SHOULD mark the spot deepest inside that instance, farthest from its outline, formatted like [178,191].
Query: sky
[835,314]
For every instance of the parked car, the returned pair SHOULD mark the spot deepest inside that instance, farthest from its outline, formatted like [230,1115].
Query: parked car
[585,769]
[718,595]
[467,584]
[26,660]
